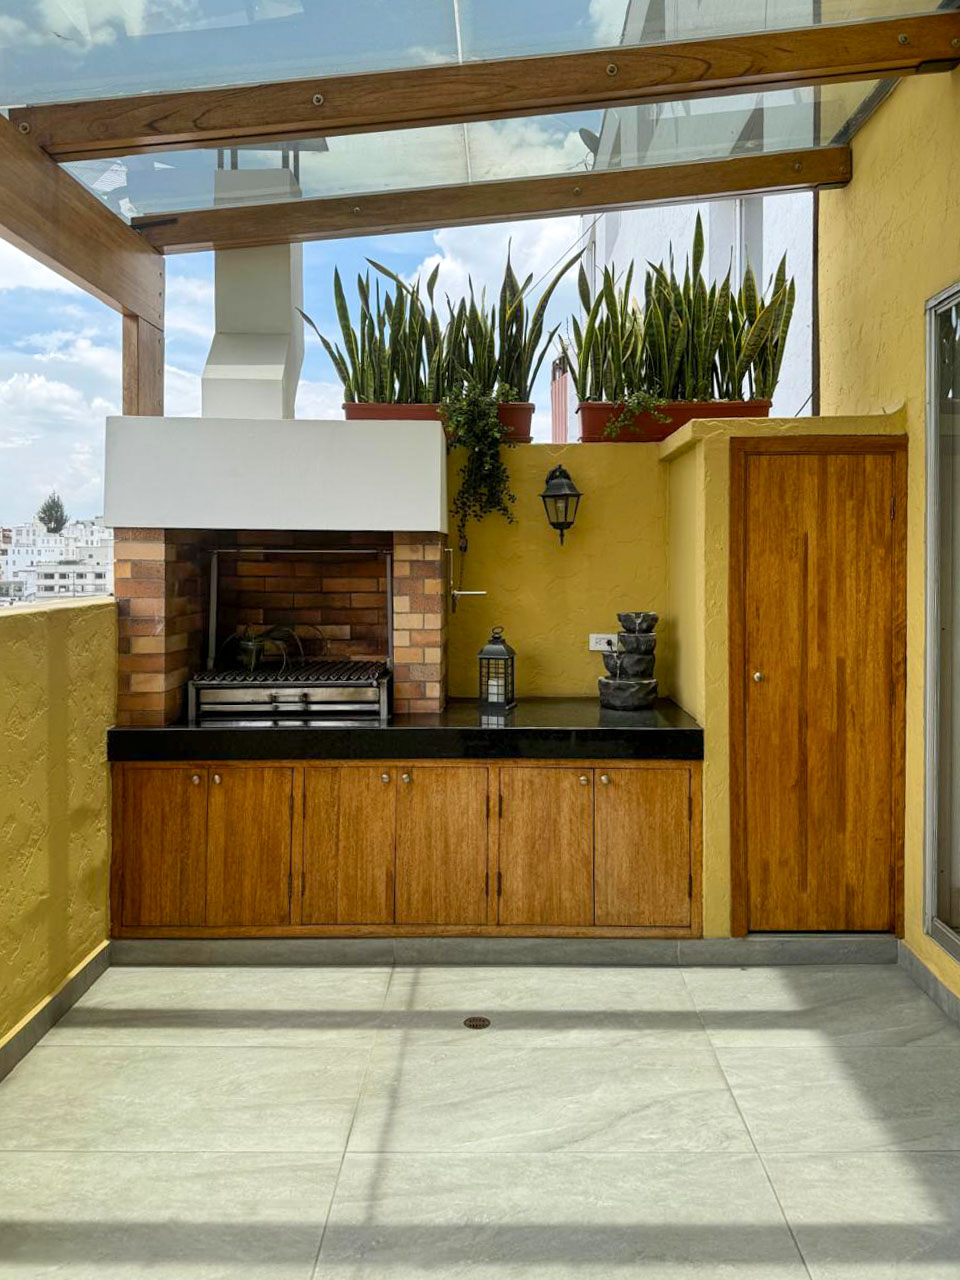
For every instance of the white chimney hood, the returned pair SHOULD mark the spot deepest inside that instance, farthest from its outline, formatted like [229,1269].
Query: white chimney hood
[293,473]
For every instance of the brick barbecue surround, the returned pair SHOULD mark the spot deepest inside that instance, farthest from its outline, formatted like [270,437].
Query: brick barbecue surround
[162,587]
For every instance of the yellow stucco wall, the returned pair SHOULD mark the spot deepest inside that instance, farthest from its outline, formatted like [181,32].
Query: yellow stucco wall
[57,692]
[550,598]
[888,242]
[698,460]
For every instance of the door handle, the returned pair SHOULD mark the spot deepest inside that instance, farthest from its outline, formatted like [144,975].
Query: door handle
[404,777]
[217,779]
[195,779]
[584,779]
[605,779]
[384,777]
[758,677]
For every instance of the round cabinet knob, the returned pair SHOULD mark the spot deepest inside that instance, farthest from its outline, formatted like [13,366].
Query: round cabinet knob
[384,777]
[605,779]
[584,779]
[757,677]
[195,779]
[404,777]
[217,779]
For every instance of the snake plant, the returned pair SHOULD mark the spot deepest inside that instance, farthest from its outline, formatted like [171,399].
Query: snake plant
[688,341]
[397,354]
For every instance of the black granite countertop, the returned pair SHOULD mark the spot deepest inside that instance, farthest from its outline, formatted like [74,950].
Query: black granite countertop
[536,729]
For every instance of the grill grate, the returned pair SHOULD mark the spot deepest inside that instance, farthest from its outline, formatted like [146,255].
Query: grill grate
[329,672]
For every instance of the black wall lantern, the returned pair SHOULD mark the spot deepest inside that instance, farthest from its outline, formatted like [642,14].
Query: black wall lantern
[561,497]
[497,673]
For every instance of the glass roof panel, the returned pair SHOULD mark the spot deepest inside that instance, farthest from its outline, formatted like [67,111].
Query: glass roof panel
[487,151]
[59,50]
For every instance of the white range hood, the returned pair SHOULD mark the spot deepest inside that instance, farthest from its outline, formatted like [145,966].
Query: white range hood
[247,463]
[294,473]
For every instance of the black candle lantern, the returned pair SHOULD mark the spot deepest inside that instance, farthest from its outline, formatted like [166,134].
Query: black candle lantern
[497,683]
[561,497]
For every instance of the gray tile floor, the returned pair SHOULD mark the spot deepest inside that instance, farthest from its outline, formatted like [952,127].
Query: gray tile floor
[326,1123]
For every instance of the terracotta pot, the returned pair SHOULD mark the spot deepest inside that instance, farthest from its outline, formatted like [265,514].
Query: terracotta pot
[354,411]
[515,418]
[594,417]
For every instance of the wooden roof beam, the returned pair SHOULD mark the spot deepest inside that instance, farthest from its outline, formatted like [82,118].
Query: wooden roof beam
[434,95]
[49,215]
[246,226]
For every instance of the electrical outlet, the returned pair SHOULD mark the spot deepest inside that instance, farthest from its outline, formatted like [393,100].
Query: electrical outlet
[602,642]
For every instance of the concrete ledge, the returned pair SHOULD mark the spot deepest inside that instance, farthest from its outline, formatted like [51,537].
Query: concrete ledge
[252,951]
[929,984]
[36,1024]
[767,949]
[790,948]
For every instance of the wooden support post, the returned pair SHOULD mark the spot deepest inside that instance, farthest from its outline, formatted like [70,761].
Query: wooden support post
[142,367]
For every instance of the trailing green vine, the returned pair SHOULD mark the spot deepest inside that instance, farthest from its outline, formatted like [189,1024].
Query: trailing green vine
[472,422]
[634,404]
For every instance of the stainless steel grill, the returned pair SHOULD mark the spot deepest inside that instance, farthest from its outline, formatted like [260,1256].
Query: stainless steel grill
[326,692]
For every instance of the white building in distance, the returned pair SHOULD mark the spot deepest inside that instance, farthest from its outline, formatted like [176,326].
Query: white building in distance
[38,565]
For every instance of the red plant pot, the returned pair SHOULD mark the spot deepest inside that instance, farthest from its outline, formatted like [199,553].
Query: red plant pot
[515,418]
[595,416]
[355,411]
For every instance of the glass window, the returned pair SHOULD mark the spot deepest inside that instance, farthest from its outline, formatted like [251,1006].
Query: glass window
[60,50]
[944,585]
[484,151]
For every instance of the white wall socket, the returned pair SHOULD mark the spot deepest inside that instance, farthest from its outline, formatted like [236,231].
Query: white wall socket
[602,641]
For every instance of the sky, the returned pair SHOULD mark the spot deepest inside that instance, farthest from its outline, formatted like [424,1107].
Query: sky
[60,357]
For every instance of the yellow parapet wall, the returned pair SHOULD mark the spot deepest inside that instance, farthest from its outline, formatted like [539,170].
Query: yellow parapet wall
[888,242]
[550,598]
[57,694]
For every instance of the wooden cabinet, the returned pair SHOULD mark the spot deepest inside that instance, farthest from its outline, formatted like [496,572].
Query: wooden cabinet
[249,844]
[164,824]
[349,839]
[198,846]
[546,846]
[643,847]
[442,816]
[461,846]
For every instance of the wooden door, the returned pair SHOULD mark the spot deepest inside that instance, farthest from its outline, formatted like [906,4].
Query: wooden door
[546,846]
[250,840]
[643,847]
[816,685]
[349,845]
[442,845]
[163,817]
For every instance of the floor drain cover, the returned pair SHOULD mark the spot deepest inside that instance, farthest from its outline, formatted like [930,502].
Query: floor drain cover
[476,1023]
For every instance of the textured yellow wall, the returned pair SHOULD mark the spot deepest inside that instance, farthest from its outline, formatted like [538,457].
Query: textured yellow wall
[698,458]
[57,690]
[549,598]
[888,242]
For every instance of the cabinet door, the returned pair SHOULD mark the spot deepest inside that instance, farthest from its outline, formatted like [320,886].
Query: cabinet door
[442,845]
[163,846]
[349,843]
[250,817]
[643,846]
[546,846]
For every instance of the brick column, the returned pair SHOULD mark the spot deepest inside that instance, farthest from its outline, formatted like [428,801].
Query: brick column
[419,633]
[159,584]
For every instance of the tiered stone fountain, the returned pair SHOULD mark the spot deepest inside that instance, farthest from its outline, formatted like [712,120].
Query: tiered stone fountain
[630,685]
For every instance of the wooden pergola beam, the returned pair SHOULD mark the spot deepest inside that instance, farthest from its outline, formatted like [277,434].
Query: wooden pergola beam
[247,226]
[434,95]
[50,216]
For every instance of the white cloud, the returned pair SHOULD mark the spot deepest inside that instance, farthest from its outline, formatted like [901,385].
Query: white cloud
[52,436]
[189,307]
[80,349]
[181,392]
[536,247]
[607,18]
[322,400]
[19,271]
